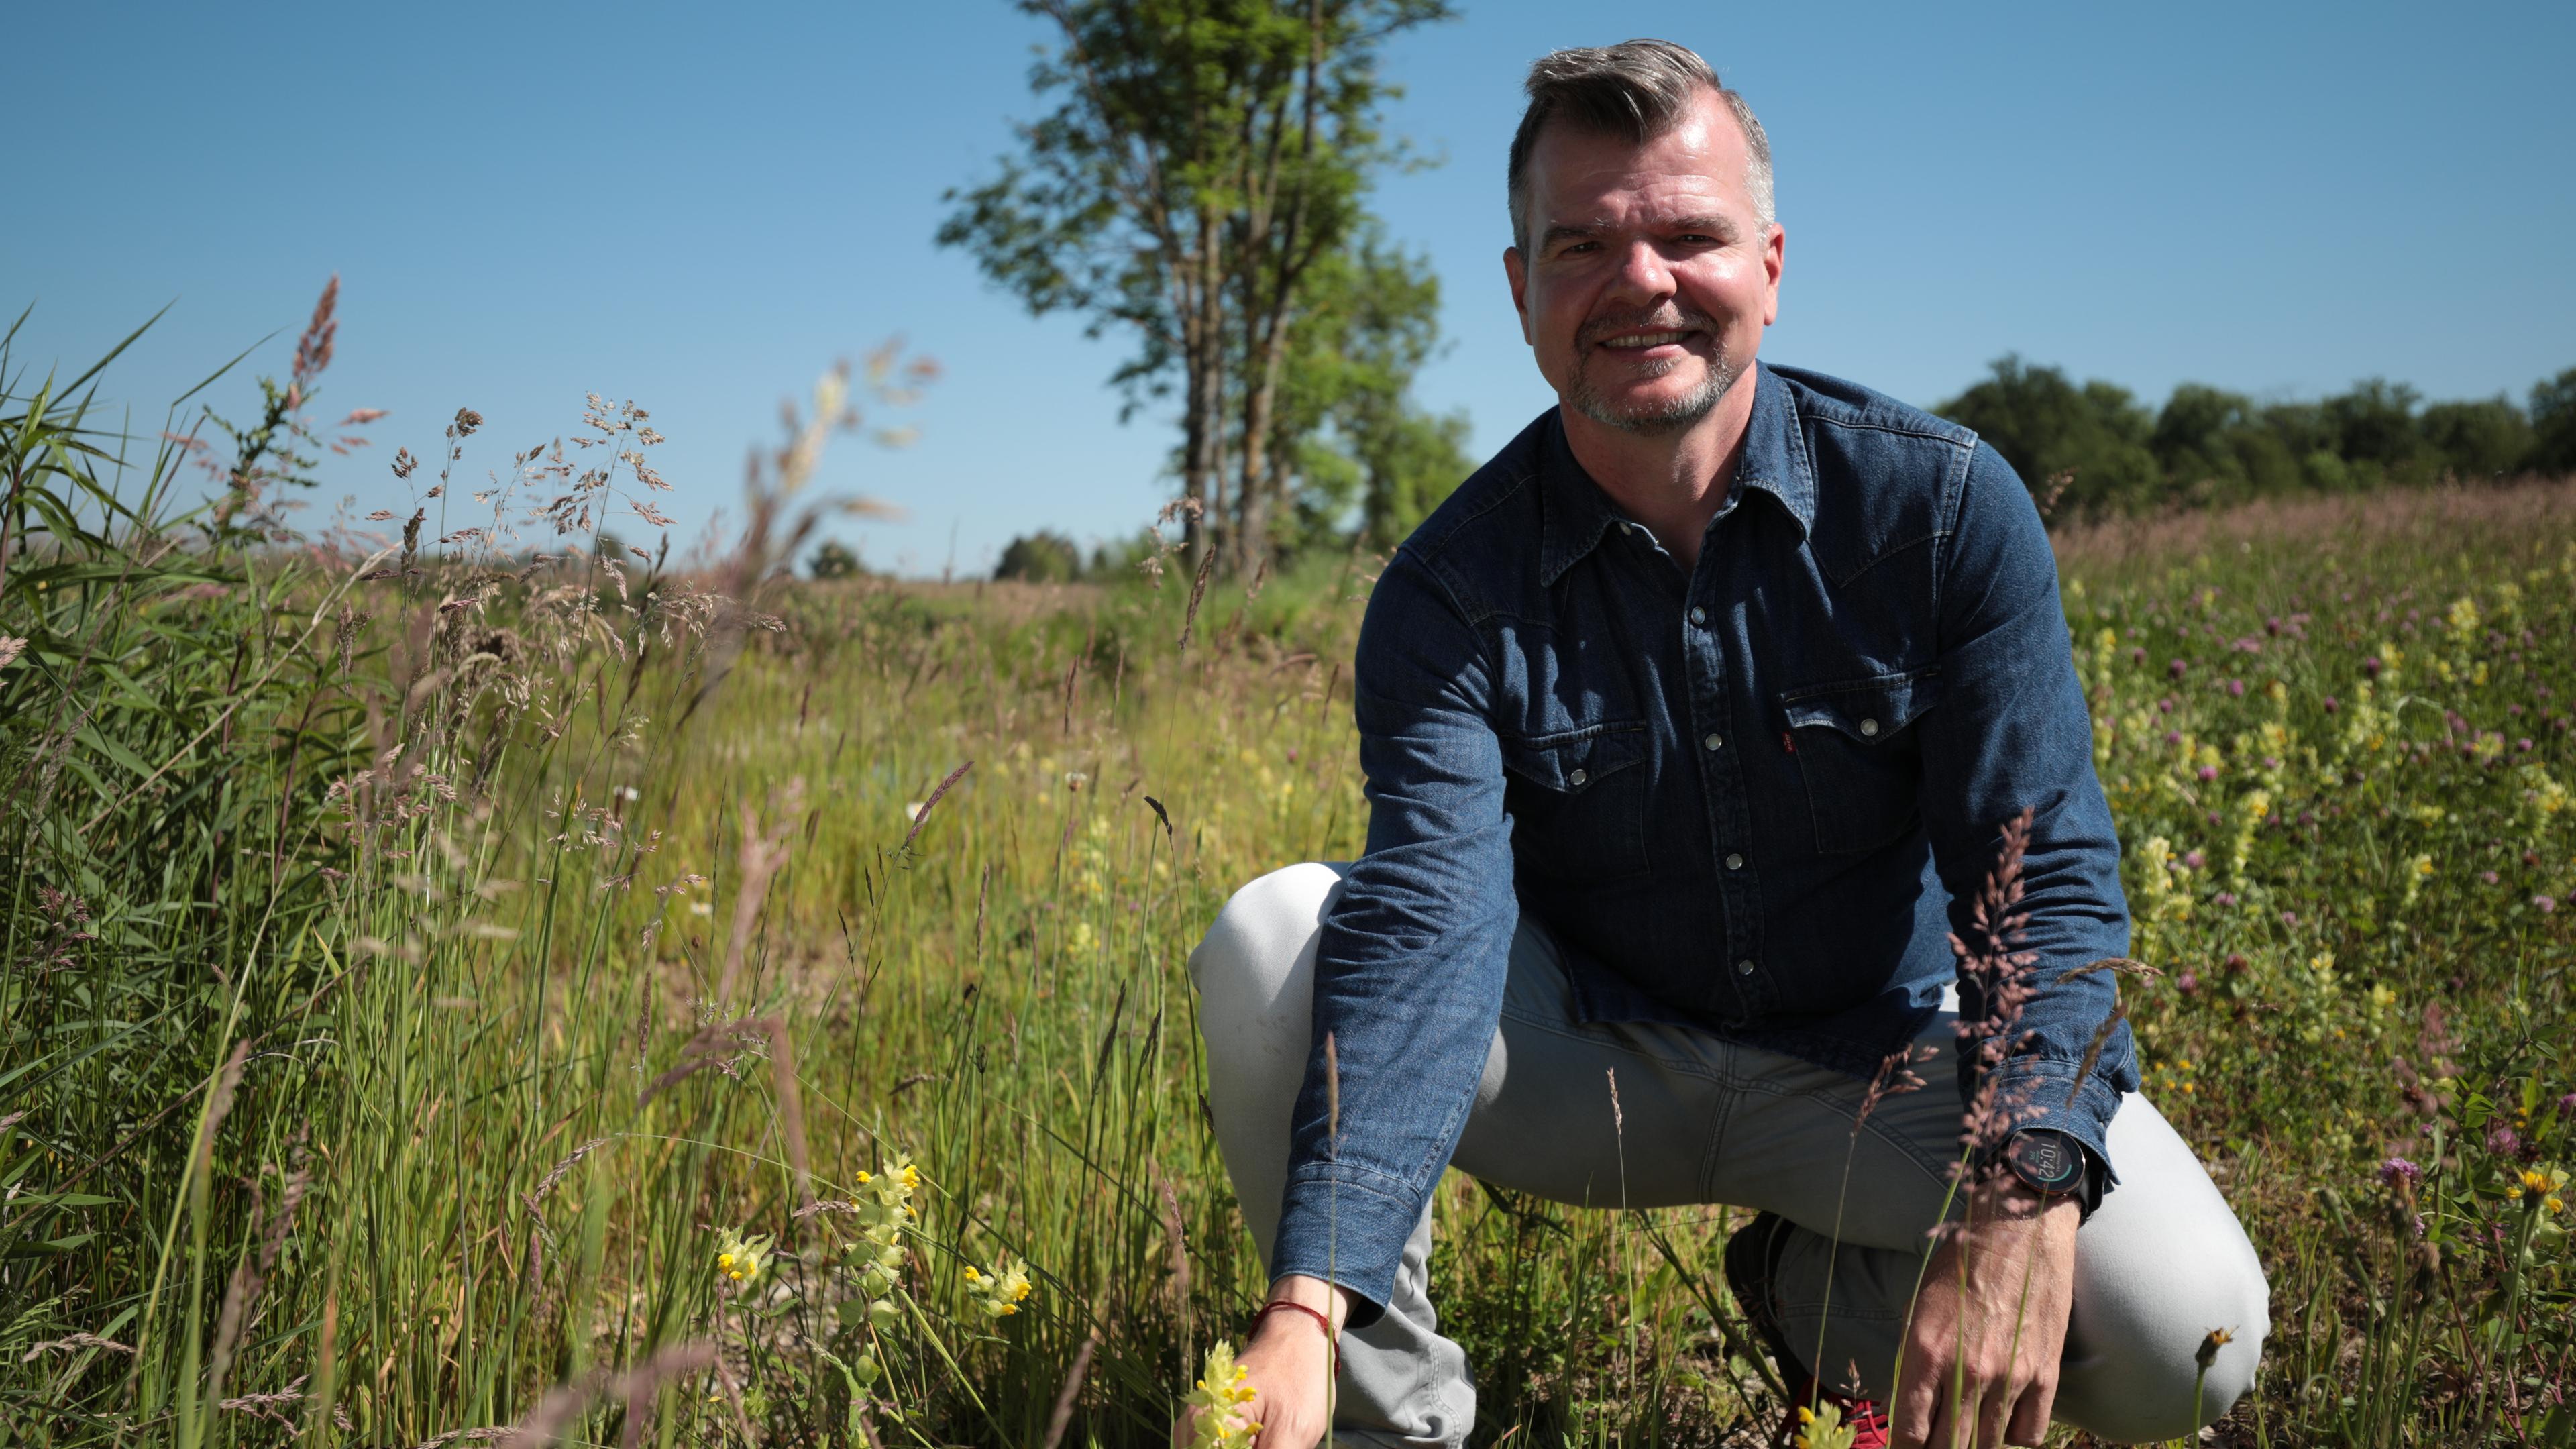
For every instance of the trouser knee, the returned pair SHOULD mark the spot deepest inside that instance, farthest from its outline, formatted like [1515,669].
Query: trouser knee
[1263,938]
[2155,1388]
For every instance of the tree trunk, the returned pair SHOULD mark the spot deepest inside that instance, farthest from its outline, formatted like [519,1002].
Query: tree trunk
[1203,405]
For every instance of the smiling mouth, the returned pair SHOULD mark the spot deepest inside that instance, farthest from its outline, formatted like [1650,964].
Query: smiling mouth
[1637,340]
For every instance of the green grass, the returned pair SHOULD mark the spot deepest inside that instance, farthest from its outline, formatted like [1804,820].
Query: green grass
[463,961]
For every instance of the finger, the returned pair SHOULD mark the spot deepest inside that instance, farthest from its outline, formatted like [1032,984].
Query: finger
[1917,1398]
[1994,1404]
[1931,1353]
[2032,1412]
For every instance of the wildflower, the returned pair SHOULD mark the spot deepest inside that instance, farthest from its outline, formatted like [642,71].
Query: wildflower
[2208,773]
[1222,1391]
[2538,1188]
[2504,1141]
[2332,704]
[2488,876]
[2210,1344]
[1000,1292]
[2544,904]
[1823,1428]
[2235,689]
[739,1259]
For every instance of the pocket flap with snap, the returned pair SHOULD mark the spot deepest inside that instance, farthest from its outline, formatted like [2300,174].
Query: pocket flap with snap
[1865,710]
[1572,763]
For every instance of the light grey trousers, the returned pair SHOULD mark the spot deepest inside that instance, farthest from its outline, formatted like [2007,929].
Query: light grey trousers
[2158,1265]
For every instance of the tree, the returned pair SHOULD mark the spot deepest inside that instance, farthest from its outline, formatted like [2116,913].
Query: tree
[1379,324]
[1203,158]
[2477,440]
[2553,425]
[2044,424]
[1043,557]
[834,560]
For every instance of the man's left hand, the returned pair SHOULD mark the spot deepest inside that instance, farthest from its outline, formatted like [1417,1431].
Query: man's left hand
[1981,1352]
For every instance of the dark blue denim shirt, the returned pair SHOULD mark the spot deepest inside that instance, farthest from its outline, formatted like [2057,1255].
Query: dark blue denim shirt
[1755,798]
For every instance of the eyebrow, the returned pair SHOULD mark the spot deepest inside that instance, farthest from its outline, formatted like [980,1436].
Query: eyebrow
[1711,223]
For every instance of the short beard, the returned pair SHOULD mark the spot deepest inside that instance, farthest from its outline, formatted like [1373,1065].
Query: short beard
[1661,419]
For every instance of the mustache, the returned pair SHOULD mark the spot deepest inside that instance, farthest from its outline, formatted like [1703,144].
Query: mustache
[1652,319]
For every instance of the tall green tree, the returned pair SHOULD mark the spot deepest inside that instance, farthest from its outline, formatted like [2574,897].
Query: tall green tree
[2045,424]
[2553,423]
[1202,160]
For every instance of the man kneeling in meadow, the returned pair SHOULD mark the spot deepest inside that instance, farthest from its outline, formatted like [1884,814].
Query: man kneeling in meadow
[1692,723]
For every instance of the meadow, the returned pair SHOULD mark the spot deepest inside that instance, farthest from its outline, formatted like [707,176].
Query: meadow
[468,979]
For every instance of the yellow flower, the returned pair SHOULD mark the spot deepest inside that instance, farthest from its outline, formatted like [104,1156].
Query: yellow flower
[1222,1392]
[1000,1292]
[2540,1188]
[1823,1429]
[741,1258]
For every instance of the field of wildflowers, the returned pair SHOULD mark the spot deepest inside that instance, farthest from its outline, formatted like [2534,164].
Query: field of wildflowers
[491,984]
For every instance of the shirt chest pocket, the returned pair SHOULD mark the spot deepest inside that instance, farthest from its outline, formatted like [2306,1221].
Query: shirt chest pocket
[1859,757]
[1578,802]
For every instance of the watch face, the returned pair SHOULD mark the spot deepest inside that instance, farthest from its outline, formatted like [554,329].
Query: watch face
[2046,1160]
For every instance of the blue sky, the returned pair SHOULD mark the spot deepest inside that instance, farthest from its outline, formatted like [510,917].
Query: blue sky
[699,207]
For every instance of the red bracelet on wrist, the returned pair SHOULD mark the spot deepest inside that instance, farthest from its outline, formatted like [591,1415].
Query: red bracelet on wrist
[1332,1342]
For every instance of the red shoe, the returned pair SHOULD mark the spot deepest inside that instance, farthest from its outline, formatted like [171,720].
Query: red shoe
[1823,1426]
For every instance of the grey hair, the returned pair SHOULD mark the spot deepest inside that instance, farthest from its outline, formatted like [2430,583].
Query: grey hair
[1637,90]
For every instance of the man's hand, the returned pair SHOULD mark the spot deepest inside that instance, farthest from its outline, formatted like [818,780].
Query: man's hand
[1290,1363]
[1981,1352]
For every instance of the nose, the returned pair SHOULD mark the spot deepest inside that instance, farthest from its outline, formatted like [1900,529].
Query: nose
[1644,276]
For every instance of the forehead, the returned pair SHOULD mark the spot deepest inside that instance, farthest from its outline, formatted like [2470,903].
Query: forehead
[1699,162]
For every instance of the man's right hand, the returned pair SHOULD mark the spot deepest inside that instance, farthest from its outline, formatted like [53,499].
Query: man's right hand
[1289,1367]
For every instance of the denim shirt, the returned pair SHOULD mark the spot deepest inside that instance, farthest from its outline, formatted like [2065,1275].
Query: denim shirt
[1755,798]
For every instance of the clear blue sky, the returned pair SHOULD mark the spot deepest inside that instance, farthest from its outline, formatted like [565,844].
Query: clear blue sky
[700,206]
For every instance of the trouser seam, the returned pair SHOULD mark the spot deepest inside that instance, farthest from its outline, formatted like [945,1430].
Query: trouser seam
[1597,1037]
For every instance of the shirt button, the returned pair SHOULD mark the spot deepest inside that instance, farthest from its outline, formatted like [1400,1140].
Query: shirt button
[1734,861]
[1869,727]
[1579,777]
[1698,614]
[1744,967]
[1712,741]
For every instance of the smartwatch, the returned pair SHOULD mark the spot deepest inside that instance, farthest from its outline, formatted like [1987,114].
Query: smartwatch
[2050,1162]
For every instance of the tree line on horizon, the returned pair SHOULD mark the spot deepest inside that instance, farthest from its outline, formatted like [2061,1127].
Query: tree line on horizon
[2093,449]
[2087,450]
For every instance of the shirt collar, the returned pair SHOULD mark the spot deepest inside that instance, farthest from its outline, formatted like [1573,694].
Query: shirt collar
[1576,514]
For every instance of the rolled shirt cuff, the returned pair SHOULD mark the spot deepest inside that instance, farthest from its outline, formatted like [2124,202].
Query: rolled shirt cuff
[1347,1226]
[2035,1091]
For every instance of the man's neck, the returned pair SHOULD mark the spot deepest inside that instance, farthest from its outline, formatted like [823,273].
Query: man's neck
[1673,483]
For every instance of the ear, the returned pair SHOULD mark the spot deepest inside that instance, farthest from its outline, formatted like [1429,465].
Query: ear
[1775,255]
[1516,271]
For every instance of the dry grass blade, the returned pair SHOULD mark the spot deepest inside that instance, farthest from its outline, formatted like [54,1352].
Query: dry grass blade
[921,817]
[791,1108]
[635,1387]
[759,861]
[1060,1417]
[251,1274]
